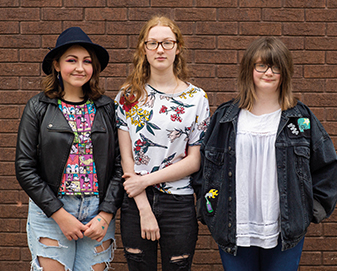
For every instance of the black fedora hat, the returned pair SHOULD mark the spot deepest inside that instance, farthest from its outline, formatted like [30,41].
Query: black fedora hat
[71,36]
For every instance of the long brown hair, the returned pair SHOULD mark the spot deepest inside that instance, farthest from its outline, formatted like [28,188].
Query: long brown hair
[91,89]
[271,51]
[134,87]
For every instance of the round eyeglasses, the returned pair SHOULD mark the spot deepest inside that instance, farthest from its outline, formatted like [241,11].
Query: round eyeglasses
[262,68]
[166,44]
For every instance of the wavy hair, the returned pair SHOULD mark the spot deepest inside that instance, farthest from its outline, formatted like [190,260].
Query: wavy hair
[134,87]
[271,51]
[91,89]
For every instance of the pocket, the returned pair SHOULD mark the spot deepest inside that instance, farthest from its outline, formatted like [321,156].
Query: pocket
[302,162]
[213,166]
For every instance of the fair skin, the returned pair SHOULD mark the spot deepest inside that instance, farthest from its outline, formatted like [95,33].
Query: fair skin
[163,79]
[267,92]
[76,70]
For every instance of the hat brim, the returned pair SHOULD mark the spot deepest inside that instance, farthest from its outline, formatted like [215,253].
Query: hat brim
[101,53]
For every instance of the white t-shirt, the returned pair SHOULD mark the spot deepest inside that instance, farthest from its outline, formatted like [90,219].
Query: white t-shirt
[257,192]
[162,128]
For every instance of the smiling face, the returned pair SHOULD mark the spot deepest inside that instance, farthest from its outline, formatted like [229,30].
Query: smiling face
[161,60]
[266,82]
[76,68]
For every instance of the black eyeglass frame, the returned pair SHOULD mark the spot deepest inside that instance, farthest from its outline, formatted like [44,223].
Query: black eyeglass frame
[268,66]
[161,43]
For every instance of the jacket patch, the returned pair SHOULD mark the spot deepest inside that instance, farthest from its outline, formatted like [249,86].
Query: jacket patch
[298,127]
[211,200]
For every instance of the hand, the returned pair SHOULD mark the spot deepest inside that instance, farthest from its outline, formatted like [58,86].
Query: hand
[98,226]
[149,226]
[134,184]
[71,227]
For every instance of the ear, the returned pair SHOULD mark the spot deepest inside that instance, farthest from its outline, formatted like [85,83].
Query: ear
[56,66]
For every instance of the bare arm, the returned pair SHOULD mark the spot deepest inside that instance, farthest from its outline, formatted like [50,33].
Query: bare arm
[148,222]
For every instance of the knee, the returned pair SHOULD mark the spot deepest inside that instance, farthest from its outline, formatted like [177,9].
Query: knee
[134,254]
[182,262]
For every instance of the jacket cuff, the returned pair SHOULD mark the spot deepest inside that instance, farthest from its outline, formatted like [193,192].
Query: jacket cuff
[318,212]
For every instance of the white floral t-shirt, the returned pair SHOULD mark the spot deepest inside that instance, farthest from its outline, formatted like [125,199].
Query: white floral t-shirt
[162,128]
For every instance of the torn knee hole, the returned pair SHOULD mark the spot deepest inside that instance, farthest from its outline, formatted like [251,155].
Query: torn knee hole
[49,242]
[134,254]
[180,259]
[104,246]
[133,250]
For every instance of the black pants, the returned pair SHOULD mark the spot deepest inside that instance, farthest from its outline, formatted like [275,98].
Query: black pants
[178,226]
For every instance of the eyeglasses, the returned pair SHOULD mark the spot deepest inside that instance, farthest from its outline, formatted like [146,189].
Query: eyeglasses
[262,68]
[166,44]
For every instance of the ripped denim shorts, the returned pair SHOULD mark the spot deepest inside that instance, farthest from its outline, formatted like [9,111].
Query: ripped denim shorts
[75,255]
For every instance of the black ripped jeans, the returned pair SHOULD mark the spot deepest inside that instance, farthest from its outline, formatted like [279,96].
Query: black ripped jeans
[178,226]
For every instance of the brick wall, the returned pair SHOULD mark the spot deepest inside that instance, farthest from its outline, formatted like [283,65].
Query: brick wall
[216,31]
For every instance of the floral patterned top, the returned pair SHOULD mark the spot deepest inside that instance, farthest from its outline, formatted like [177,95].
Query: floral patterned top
[162,128]
[79,175]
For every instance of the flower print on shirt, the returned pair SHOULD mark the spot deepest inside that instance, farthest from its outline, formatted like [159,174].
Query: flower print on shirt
[141,147]
[180,118]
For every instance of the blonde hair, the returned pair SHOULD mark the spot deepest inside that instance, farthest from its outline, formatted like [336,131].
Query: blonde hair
[271,51]
[134,87]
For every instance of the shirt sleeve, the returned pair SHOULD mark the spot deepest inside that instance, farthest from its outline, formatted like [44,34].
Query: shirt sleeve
[121,112]
[202,119]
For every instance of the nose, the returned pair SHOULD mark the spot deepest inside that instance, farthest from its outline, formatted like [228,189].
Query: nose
[160,48]
[79,66]
[268,71]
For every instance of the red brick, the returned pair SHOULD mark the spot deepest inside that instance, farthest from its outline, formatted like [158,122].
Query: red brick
[216,3]
[265,28]
[7,154]
[321,15]
[41,28]
[331,29]
[84,3]
[242,14]
[202,70]
[205,42]
[311,258]
[304,29]
[261,3]
[284,15]
[14,14]
[206,256]
[19,41]
[219,56]
[228,71]
[9,225]
[144,14]
[317,71]
[89,27]
[305,3]
[234,42]
[9,3]
[320,43]
[195,14]
[57,14]
[330,258]
[14,266]
[309,85]
[216,28]
[124,27]
[110,14]
[9,254]
[10,69]
[8,182]
[128,3]
[9,27]
[7,83]
[171,3]
[39,3]
[308,57]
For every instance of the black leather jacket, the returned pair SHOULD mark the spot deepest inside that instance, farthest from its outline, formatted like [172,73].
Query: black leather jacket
[306,174]
[43,146]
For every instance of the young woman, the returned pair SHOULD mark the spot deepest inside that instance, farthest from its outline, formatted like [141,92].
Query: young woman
[268,167]
[161,119]
[68,161]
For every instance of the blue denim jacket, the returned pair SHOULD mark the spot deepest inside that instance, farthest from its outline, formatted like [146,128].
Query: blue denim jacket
[306,171]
